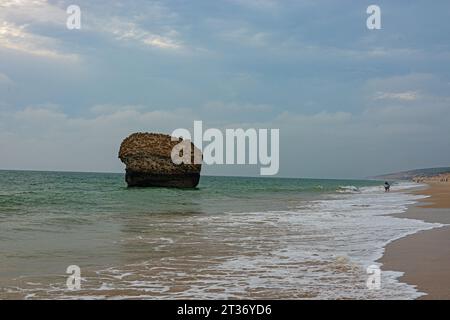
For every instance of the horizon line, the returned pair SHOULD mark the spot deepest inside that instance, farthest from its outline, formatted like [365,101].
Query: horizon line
[230,176]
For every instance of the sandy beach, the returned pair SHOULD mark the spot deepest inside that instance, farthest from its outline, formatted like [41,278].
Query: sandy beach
[425,256]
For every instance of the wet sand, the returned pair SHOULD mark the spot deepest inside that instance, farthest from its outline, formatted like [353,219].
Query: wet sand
[425,256]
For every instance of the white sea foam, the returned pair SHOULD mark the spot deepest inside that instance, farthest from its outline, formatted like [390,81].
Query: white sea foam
[320,249]
[348,189]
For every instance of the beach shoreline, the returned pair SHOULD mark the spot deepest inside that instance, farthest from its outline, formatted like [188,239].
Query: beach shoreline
[424,257]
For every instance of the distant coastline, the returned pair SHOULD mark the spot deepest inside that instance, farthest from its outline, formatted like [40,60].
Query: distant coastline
[417,174]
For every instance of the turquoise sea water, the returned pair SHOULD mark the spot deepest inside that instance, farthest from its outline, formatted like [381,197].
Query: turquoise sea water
[230,237]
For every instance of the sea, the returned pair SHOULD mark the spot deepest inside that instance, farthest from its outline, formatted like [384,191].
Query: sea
[230,238]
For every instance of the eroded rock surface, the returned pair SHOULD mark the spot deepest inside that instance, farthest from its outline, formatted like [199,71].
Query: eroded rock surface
[147,157]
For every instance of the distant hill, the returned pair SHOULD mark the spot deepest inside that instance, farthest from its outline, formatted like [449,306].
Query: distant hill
[411,174]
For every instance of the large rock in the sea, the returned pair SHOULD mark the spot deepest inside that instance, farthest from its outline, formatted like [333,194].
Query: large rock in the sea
[148,161]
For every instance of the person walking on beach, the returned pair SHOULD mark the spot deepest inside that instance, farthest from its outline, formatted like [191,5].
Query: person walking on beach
[387,187]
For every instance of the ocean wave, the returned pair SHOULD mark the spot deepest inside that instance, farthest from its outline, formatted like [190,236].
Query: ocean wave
[347,189]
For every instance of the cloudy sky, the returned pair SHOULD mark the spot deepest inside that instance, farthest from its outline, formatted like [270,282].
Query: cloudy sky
[349,102]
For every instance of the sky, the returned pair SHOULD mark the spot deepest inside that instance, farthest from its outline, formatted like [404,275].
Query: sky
[349,102]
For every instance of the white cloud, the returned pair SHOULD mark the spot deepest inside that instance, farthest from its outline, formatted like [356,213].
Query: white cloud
[32,11]
[129,31]
[160,42]
[403,96]
[15,37]
[21,3]
[19,15]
